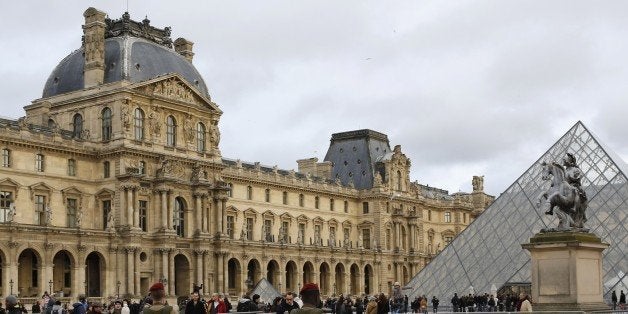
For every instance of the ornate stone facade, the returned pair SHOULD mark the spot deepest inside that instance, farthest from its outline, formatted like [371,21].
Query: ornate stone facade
[106,190]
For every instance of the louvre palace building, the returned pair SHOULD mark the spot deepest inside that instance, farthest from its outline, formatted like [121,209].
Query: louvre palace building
[114,180]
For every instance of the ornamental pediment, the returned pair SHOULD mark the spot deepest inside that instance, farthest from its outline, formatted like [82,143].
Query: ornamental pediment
[174,88]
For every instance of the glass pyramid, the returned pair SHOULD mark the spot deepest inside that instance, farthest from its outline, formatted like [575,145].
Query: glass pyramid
[488,252]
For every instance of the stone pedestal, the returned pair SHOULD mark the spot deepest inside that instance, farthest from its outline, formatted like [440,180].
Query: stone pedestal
[566,271]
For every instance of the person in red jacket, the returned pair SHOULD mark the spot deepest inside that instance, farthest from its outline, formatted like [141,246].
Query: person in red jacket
[217,305]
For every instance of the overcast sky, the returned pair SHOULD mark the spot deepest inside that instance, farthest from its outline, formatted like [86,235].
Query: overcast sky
[465,87]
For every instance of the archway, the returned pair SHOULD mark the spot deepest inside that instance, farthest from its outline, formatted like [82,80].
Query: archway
[234,281]
[308,273]
[324,281]
[339,285]
[291,276]
[95,279]
[354,279]
[253,271]
[368,279]
[181,275]
[272,274]
[29,271]
[62,274]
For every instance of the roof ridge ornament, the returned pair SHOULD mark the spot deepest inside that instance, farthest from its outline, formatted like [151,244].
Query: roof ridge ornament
[127,26]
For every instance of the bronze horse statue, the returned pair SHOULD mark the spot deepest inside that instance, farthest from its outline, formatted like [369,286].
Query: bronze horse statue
[565,196]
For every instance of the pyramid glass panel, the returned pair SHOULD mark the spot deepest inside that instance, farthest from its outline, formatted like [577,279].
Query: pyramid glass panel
[489,251]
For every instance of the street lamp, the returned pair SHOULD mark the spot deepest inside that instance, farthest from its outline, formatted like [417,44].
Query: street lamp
[118,283]
[50,286]
[11,285]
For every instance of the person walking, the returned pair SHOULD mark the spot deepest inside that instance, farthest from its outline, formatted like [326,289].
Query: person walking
[435,302]
[622,300]
[12,307]
[195,306]
[614,300]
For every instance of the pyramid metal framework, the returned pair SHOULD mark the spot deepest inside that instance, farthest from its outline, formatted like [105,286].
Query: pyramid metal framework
[488,252]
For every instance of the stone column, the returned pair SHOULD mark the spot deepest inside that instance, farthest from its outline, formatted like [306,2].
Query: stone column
[164,208]
[398,235]
[136,273]
[171,283]
[129,205]
[79,273]
[198,213]
[136,208]
[199,266]
[211,216]
[170,212]
[130,270]
[208,288]
[220,272]
[164,264]
[223,213]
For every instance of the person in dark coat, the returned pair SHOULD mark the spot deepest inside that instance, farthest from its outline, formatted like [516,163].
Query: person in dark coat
[288,304]
[195,306]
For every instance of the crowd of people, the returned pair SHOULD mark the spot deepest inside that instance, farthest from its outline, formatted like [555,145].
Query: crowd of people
[308,301]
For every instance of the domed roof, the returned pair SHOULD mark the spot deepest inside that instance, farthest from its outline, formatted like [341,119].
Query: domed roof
[126,58]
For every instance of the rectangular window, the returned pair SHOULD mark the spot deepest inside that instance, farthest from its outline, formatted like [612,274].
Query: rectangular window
[366,238]
[40,209]
[106,211]
[106,169]
[6,198]
[301,233]
[448,240]
[249,229]
[72,167]
[143,208]
[429,215]
[331,204]
[346,206]
[267,234]
[365,207]
[316,202]
[6,158]
[39,163]
[457,217]
[301,200]
[464,217]
[346,232]
[71,213]
[447,217]
[285,198]
[230,226]
[230,190]
[267,195]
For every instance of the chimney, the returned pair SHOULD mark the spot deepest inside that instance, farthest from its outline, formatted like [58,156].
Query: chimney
[184,48]
[94,47]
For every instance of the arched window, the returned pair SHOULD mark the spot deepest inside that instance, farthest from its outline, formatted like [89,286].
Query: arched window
[171,131]
[77,125]
[178,217]
[139,124]
[72,167]
[200,137]
[106,124]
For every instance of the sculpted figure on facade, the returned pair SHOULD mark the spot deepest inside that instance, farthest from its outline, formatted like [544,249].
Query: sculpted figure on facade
[332,237]
[214,133]
[79,218]
[360,241]
[110,221]
[154,125]
[188,129]
[125,117]
[11,213]
[48,215]
[243,235]
[478,183]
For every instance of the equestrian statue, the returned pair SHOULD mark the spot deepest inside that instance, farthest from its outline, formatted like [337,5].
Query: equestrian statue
[565,197]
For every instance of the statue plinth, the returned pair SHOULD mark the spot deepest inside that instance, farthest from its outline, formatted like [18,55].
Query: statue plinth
[566,271]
